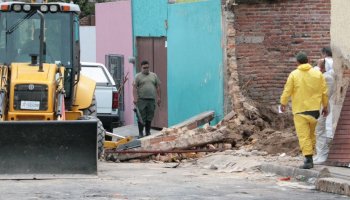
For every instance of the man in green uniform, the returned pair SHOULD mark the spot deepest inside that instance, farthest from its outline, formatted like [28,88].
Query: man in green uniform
[146,91]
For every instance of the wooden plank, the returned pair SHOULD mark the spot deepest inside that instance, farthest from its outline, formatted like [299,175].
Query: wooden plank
[196,121]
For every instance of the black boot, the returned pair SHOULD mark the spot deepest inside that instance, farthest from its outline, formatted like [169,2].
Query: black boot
[148,128]
[308,162]
[140,129]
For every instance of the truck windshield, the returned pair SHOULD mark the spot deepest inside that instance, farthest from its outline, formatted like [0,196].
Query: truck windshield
[19,37]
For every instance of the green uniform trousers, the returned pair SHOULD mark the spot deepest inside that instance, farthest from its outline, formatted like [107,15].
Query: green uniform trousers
[146,108]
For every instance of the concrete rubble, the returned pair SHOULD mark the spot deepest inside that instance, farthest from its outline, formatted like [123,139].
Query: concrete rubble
[322,178]
[251,129]
[251,139]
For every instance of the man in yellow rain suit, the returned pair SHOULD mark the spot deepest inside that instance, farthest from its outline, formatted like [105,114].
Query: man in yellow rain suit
[308,89]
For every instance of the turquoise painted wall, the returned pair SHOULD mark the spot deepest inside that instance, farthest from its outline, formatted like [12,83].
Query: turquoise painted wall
[195,60]
[149,17]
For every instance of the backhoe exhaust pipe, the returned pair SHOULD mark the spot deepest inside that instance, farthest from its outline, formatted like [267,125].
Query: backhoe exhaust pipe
[41,56]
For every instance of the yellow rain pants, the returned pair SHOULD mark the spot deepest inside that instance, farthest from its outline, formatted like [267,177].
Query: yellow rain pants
[305,127]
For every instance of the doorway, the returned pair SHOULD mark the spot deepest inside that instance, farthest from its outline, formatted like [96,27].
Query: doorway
[154,50]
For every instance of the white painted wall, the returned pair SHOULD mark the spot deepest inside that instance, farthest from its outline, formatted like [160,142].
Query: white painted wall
[340,43]
[87,43]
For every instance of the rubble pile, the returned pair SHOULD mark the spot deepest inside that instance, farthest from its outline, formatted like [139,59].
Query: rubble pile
[261,130]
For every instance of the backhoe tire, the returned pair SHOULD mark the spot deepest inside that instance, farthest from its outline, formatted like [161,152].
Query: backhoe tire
[92,109]
[101,133]
[91,113]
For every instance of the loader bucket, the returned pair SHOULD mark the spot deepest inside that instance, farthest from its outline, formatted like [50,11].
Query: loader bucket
[48,149]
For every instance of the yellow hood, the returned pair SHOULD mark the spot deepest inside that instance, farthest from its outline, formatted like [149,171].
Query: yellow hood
[307,88]
[304,67]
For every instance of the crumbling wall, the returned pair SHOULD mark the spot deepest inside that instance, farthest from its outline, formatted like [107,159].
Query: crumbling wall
[257,59]
[260,40]
[269,34]
[340,43]
[339,154]
[233,94]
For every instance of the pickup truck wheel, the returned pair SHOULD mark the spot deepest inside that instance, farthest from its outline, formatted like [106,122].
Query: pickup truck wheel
[92,109]
[101,132]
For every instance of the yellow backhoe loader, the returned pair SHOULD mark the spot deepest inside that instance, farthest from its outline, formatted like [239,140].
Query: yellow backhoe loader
[47,108]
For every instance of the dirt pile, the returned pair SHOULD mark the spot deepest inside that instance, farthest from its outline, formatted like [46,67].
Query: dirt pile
[263,128]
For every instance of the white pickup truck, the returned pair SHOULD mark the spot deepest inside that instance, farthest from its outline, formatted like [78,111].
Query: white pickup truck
[106,94]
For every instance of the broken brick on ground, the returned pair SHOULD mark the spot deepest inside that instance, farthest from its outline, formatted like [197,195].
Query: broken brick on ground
[252,130]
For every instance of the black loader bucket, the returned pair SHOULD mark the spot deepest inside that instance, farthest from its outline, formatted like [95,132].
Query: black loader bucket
[48,149]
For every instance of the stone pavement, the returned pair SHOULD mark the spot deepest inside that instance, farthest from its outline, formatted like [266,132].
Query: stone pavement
[327,178]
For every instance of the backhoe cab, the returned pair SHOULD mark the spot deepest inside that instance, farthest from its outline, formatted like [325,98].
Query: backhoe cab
[42,93]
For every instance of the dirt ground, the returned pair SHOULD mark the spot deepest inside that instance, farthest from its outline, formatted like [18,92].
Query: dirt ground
[277,142]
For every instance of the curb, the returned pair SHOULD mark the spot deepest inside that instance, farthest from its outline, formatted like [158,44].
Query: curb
[333,185]
[325,182]
[290,171]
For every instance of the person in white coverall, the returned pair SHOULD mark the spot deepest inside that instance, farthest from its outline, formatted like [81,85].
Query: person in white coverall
[324,128]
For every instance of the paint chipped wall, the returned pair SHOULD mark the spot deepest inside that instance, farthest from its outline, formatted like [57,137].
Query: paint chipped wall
[340,43]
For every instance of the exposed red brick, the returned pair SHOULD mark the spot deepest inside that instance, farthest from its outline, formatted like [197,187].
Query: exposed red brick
[344,142]
[156,140]
[346,73]
[339,154]
[345,114]
[336,163]
[343,126]
[338,151]
[269,34]
[346,108]
[343,133]
[169,138]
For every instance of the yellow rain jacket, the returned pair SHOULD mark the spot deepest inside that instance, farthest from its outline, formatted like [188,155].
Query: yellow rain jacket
[308,89]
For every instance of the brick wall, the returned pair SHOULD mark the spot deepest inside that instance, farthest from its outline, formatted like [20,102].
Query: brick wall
[339,154]
[269,34]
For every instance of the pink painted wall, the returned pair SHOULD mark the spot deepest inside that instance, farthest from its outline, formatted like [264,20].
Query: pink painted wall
[114,36]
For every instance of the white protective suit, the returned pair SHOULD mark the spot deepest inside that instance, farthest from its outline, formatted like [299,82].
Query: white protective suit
[324,128]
